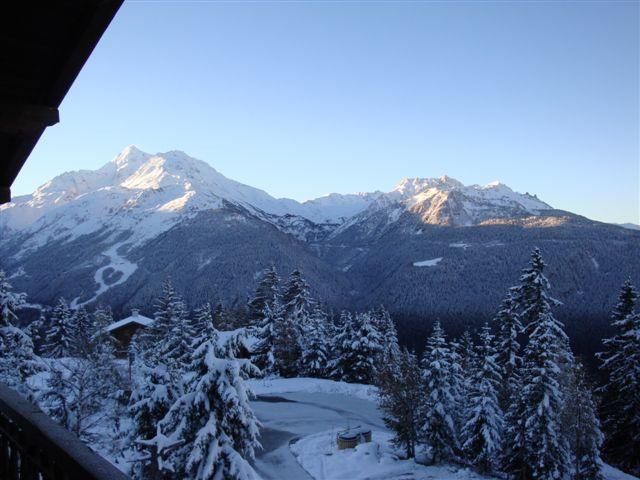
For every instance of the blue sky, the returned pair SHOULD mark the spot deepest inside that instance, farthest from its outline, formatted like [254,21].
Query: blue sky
[304,98]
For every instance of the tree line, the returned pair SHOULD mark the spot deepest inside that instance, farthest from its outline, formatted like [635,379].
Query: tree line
[510,399]
[516,401]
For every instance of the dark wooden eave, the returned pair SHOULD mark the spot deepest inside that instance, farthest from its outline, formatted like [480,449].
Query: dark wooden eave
[43,46]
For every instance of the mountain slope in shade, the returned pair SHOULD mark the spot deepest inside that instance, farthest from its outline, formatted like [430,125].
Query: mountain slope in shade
[112,235]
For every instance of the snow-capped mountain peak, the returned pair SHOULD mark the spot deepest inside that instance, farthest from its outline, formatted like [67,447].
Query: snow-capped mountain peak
[149,193]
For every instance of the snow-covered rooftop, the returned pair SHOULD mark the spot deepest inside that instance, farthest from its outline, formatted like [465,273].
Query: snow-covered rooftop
[134,318]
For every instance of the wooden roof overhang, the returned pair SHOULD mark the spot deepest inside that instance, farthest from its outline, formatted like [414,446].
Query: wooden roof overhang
[43,46]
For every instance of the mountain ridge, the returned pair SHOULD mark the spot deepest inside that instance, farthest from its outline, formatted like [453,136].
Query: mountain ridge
[112,235]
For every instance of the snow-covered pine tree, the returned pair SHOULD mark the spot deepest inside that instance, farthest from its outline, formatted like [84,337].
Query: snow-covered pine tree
[618,369]
[152,396]
[388,334]
[36,331]
[585,436]
[263,354]
[467,351]
[513,458]
[438,406]
[342,333]
[81,331]
[465,360]
[78,389]
[482,431]
[9,301]
[315,347]
[266,293]
[532,297]
[172,330]
[296,299]
[623,438]
[509,358]
[212,428]
[59,340]
[203,321]
[17,359]
[360,348]
[543,399]
[287,344]
[538,443]
[102,318]
[400,390]
[220,321]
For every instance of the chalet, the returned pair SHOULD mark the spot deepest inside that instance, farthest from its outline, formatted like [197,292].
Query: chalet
[123,330]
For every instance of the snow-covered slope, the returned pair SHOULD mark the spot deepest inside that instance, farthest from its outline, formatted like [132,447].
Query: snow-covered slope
[148,194]
[111,234]
[135,192]
[446,201]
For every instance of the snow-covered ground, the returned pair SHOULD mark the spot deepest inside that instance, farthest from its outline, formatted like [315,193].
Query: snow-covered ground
[428,263]
[300,418]
[269,386]
[376,460]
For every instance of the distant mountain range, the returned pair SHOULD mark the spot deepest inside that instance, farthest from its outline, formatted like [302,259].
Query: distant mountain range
[431,247]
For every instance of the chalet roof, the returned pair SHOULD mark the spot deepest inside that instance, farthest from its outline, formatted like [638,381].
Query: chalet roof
[134,318]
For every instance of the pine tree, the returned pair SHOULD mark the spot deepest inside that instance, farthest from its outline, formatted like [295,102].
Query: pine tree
[172,330]
[400,392]
[265,295]
[465,360]
[388,335]
[532,295]
[438,406]
[546,447]
[482,431]
[36,331]
[212,427]
[102,319]
[622,442]
[315,347]
[80,326]
[538,443]
[263,352]
[287,345]
[204,320]
[152,396]
[59,339]
[359,348]
[342,335]
[509,358]
[9,301]
[220,320]
[585,434]
[619,367]
[77,389]
[296,299]
[17,358]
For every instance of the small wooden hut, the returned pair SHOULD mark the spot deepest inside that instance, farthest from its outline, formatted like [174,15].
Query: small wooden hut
[351,437]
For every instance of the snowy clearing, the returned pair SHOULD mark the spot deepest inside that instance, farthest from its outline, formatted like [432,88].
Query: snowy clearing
[428,263]
[462,245]
[319,455]
[300,418]
[267,386]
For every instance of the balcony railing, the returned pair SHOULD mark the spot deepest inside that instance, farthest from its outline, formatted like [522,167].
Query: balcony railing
[34,447]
